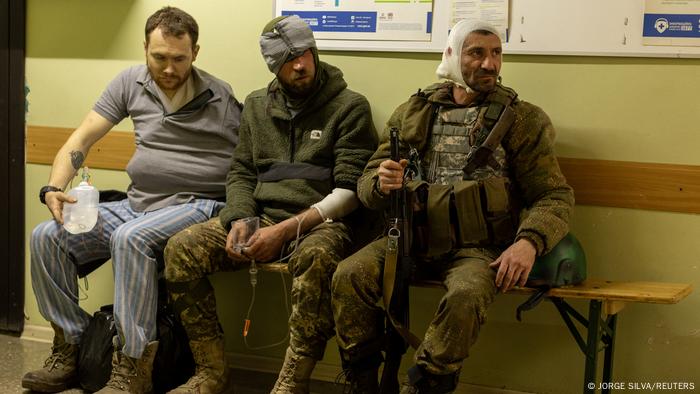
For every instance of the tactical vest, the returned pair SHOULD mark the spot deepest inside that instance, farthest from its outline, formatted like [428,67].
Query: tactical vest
[463,202]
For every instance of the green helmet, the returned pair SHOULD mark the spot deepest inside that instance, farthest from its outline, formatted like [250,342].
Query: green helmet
[564,265]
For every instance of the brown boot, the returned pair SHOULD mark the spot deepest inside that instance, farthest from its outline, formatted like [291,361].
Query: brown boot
[421,381]
[60,371]
[295,374]
[131,375]
[212,374]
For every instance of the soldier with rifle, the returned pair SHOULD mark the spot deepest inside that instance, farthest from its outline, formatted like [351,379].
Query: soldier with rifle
[489,199]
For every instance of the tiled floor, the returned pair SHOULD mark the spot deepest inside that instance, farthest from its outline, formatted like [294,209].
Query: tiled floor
[18,356]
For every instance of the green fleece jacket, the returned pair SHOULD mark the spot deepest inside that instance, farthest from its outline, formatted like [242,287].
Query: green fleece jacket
[540,187]
[283,163]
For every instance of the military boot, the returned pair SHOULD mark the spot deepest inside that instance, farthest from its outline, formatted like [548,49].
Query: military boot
[295,374]
[60,371]
[364,381]
[421,381]
[361,372]
[211,374]
[131,375]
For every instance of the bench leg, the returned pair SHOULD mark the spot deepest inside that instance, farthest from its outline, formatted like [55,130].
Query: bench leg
[592,346]
[600,336]
[609,340]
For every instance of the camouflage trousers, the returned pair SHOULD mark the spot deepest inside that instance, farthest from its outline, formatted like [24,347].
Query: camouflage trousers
[199,251]
[470,289]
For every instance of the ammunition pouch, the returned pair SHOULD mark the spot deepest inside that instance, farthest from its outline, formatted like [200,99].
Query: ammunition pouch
[465,214]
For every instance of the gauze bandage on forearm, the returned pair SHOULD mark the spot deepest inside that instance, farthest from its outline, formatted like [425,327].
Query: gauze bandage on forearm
[337,204]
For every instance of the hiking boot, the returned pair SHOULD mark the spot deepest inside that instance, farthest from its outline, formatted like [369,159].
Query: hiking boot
[131,375]
[295,374]
[421,381]
[360,371]
[362,381]
[211,374]
[60,371]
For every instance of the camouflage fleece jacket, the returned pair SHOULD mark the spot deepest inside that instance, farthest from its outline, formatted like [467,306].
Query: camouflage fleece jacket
[540,187]
[283,163]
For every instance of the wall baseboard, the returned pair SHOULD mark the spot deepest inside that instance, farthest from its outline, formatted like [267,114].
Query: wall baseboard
[37,333]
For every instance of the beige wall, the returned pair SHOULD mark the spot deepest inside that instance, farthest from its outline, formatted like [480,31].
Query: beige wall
[631,109]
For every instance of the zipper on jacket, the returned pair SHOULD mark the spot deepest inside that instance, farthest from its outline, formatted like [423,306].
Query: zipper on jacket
[292,140]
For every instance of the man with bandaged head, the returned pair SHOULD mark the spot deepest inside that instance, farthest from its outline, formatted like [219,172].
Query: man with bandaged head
[304,141]
[488,197]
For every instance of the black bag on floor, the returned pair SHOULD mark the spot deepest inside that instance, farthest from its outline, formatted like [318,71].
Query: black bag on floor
[173,363]
[95,357]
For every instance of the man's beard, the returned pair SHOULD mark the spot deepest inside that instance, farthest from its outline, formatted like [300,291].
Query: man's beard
[171,83]
[483,87]
[299,89]
[174,82]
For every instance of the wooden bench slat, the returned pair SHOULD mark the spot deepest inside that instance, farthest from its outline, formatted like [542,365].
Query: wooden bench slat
[591,289]
[650,292]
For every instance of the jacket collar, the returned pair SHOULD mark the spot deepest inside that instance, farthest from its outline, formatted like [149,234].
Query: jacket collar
[441,94]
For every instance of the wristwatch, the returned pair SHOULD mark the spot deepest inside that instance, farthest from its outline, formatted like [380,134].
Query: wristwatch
[47,189]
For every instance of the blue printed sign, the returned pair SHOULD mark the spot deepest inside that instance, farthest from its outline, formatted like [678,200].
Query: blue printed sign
[672,25]
[338,21]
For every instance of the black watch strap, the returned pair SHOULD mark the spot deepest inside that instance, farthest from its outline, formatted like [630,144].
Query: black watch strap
[47,189]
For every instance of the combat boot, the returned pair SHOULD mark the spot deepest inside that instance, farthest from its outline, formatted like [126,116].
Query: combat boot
[363,380]
[131,375]
[211,374]
[295,374]
[60,371]
[421,381]
[361,372]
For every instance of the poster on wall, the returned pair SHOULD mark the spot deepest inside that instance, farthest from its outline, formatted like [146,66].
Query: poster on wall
[493,11]
[372,20]
[671,22]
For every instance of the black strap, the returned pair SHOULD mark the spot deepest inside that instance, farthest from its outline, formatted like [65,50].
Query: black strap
[282,171]
[531,302]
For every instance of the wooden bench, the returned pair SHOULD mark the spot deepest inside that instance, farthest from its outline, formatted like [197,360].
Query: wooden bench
[652,186]
[605,300]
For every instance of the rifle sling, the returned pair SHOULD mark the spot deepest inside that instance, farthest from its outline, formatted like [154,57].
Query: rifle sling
[390,265]
[500,128]
[483,153]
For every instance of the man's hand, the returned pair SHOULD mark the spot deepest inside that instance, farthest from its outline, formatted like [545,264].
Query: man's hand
[234,239]
[391,175]
[265,245]
[514,264]
[54,201]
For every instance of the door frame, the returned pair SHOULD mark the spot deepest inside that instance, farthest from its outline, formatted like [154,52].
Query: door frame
[12,162]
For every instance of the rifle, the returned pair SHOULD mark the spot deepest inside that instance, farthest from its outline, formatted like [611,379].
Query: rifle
[398,270]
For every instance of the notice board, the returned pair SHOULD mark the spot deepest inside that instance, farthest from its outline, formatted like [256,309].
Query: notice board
[544,27]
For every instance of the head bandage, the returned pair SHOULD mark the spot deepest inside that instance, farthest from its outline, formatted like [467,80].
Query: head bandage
[451,67]
[284,39]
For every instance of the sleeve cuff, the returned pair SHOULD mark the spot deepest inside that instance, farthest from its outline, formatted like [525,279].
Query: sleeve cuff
[536,240]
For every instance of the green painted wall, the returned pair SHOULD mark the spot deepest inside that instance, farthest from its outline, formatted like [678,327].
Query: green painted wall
[631,109]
